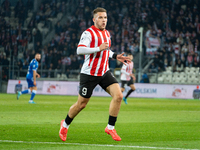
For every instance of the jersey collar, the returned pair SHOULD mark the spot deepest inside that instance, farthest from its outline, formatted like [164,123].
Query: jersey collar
[94,28]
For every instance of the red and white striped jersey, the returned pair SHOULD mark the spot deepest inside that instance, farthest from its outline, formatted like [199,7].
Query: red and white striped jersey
[95,64]
[126,71]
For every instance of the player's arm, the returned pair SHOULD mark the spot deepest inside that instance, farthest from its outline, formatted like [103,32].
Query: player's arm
[123,70]
[129,74]
[133,75]
[82,50]
[34,77]
[37,75]
[83,46]
[120,57]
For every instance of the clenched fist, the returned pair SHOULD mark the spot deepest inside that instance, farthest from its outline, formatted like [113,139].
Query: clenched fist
[103,46]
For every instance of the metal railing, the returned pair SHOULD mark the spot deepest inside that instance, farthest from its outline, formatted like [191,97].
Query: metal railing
[13,72]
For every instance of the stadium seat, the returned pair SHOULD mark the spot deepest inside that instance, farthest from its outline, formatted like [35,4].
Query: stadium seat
[58,4]
[58,76]
[30,14]
[63,77]
[183,79]
[12,8]
[183,75]
[59,16]
[53,20]
[187,71]
[186,68]
[169,68]
[1,49]
[168,75]
[117,72]
[168,79]
[160,79]
[26,22]
[176,75]
[160,74]
[177,81]
[7,19]
[169,71]
[20,55]
[193,78]
[30,45]
[197,69]
[153,78]
[40,25]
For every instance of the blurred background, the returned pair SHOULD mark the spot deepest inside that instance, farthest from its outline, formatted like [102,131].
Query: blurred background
[170,52]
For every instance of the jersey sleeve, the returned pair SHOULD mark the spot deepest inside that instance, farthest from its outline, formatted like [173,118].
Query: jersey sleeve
[34,66]
[85,39]
[111,54]
[84,44]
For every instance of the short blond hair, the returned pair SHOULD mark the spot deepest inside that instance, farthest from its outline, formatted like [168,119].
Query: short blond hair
[98,9]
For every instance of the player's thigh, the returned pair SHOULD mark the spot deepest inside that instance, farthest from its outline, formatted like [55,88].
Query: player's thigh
[115,91]
[87,84]
[122,89]
[132,86]
[107,80]
[34,88]
[30,83]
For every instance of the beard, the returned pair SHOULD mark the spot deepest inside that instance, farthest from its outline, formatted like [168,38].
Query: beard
[37,59]
[100,26]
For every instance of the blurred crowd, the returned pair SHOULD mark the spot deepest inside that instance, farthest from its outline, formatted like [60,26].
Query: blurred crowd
[15,36]
[12,36]
[175,22]
[180,28]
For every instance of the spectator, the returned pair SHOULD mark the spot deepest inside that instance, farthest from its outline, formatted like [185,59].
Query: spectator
[6,6]
[196,58]
[50,71]
[145,78]
[25,65]
[19,6]
[112,64]
[183,61]
[58,28]
[153,68]
[189,60]
[185,49]
[179,66]
[29,5]
[196,64]
[179,29]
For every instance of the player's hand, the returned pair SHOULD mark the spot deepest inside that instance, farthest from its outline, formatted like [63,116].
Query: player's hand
[34,83]
[103,46]
[38,75]
[133,76]
[122,58]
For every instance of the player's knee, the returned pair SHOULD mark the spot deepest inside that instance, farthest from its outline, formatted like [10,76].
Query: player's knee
[133,88]
[118,97]
[29,91]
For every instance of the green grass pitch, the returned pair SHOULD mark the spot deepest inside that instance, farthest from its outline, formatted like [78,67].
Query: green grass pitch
[142,124]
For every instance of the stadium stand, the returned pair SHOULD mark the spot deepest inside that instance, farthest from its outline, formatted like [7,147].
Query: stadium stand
[171,37]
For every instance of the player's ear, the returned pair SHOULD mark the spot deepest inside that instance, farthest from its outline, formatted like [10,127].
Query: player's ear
[93,19]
